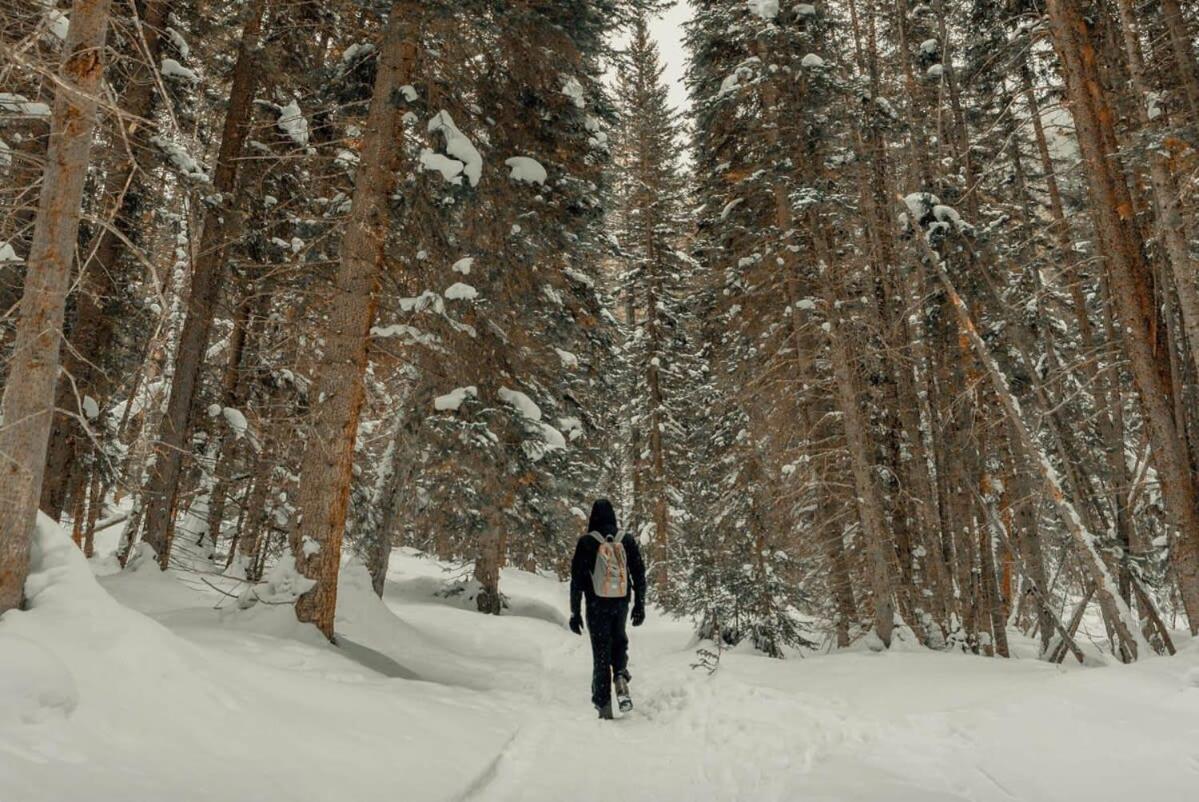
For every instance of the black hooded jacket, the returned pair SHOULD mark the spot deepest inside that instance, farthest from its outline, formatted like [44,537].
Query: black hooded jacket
[603,520]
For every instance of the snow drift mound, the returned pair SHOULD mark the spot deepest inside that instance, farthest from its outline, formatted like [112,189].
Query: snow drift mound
[74,641]
[34,684]
[416,577]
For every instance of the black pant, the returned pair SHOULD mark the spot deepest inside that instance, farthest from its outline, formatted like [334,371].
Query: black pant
[609,645]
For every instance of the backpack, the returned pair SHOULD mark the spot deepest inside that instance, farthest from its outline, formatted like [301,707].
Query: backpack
[610,577]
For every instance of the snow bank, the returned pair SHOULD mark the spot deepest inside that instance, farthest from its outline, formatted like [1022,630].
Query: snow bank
[189,699]
[100,702]
[74,642]
[35,685]
[415,578]
[282,584]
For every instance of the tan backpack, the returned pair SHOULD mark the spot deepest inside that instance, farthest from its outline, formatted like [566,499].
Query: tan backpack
[610,577]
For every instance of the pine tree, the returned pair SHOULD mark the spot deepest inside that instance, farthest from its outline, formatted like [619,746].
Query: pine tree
[654,280]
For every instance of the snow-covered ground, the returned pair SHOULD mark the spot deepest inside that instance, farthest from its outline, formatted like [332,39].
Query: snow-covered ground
[142,686]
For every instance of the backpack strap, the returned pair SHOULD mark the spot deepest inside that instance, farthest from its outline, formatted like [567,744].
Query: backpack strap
[619,536]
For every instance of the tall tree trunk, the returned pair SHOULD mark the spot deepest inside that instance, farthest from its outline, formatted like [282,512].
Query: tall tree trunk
[248,317]
[1107,392]
[1186,66]
[656,418]
[386,500]
[1130,643]
[101,277]
[990,589]
[28,403]
[879,551]
[221,223]
[1112,210]
[1168,211]
[327,467]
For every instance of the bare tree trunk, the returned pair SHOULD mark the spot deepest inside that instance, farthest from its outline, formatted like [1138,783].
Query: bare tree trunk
[221,222]
[328,463]
[28,404]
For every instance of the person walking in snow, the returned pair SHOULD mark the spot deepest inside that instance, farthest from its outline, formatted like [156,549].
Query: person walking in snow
[604,563]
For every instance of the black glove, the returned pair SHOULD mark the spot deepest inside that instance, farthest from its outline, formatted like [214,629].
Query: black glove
[576,624]
[638,615]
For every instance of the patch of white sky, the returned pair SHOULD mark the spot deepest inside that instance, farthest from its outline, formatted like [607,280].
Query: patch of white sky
[667,29]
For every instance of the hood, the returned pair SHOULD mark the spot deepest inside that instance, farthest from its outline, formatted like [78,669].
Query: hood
[603,518]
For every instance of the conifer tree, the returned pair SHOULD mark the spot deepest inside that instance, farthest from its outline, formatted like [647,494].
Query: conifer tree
[653,285]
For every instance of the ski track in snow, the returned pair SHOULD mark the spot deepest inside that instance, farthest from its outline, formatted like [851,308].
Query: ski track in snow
[432,701]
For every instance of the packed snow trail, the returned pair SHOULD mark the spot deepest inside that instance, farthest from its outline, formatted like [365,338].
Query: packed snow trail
[156,687]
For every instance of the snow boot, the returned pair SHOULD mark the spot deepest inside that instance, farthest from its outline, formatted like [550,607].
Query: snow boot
[622,693]
[605,712]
